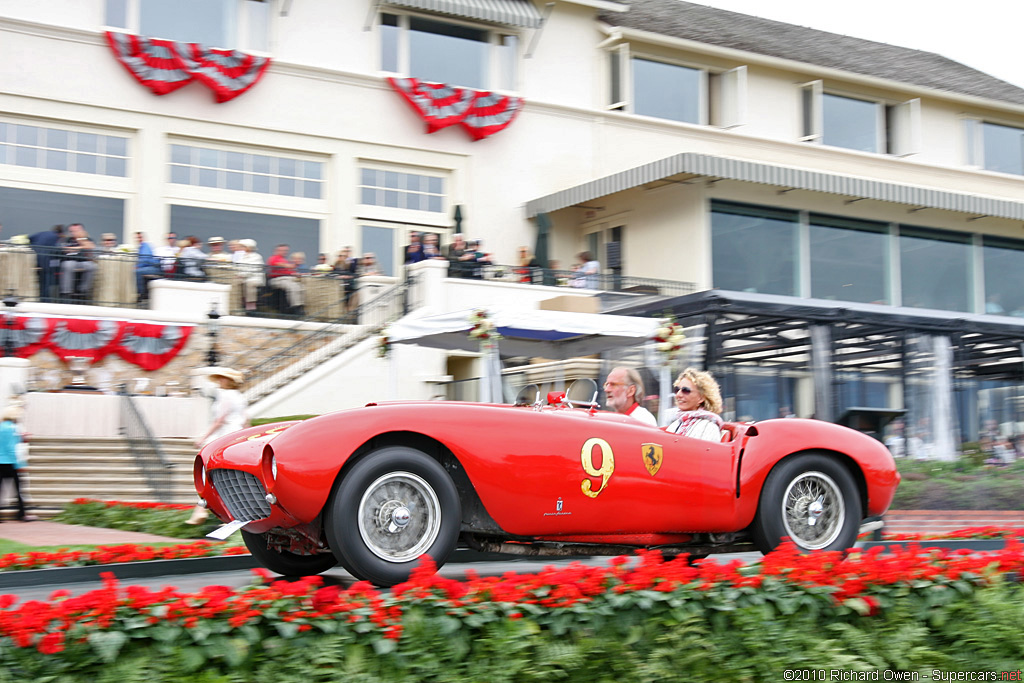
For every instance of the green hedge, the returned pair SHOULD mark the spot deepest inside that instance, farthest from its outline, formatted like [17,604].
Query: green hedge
[964,484]
[161,519]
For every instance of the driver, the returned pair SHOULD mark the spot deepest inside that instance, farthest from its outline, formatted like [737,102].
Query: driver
[625,390]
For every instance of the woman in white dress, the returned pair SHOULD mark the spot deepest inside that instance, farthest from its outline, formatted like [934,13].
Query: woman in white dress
[699,401]
[229,413]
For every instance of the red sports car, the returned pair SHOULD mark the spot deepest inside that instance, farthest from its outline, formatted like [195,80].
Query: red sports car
[374,488]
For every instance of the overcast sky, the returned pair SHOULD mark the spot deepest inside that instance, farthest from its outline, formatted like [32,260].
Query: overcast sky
[987,35]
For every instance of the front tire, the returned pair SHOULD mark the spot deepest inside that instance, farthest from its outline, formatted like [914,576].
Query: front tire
[284,562]
[394,506]
[813,500]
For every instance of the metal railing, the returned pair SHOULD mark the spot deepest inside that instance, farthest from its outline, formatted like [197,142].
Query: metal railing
[146,449]
[329,341]
[602,282]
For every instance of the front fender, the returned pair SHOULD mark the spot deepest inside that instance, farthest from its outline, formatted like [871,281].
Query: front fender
[870,460]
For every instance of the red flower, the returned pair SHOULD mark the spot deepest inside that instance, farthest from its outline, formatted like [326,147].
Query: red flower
[51,643]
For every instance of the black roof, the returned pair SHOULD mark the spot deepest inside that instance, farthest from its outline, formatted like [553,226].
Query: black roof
[820,48]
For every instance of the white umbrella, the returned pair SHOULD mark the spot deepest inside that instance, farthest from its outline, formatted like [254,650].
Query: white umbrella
[549,334]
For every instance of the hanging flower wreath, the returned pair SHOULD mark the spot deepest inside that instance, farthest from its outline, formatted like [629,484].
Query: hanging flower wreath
[668,338]
[483,329]
[383,345]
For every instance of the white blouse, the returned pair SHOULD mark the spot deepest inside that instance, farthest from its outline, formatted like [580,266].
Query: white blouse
[698,429]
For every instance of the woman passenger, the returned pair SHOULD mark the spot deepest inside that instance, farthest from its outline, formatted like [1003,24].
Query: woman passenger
[699,401]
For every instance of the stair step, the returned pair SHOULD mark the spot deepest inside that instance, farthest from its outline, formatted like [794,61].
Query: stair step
[62,469]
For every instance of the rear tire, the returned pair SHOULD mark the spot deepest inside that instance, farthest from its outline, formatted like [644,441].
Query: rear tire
[394,506]
[812,499]
[284,562]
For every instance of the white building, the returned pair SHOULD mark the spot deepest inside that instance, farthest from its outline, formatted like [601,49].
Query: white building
[672,140]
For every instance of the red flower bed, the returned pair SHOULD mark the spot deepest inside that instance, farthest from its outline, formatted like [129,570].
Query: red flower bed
[112,554]
[978,532]
[859,583]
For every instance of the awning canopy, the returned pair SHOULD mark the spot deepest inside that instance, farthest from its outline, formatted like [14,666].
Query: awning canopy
[548,334]
[693,165]
[509,12]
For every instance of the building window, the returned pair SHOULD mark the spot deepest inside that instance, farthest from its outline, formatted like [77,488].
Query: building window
[60,149]
[1003,261]
[301,234]
[851,123]
[849,260]
[676,92]
[860,124]
[399,190]
[246,172]
[754,249]
[381,243]
[1001,148]
[230,24]
[668,91]
[450,53]
[935,269]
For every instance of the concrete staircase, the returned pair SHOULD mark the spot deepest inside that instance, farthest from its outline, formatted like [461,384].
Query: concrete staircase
[64,468]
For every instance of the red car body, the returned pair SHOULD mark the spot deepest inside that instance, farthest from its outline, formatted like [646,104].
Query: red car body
[545,480]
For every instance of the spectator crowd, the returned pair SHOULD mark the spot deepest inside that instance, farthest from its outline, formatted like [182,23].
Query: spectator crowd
[68,258]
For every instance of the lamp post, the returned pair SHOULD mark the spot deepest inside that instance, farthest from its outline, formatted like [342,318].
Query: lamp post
[9,303]
[211,332]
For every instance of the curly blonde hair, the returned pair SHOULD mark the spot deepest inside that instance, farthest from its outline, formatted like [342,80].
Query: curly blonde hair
[707,386]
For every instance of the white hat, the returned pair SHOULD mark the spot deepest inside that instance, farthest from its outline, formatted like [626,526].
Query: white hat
[248,243]
[233,375]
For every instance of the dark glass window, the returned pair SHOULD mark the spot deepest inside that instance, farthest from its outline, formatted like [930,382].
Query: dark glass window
[1004,276]
[935,269]
[754,249]
[849,260]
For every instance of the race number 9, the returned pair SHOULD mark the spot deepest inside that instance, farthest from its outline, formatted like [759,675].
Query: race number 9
[603,470]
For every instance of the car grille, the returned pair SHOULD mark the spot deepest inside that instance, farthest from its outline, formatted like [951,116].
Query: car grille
[242,493]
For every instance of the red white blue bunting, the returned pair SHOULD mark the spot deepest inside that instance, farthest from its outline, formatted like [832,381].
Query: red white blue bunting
[163,66]
[148,345]
[480,113]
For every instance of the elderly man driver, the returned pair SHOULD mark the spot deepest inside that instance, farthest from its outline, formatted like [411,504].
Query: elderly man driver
[625,390]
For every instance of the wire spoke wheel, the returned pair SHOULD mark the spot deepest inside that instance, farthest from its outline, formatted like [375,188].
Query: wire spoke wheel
[814,510]
[392,507]
[811,498]
[399,517]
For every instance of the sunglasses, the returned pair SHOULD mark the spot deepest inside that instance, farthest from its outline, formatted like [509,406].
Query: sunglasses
[686,390]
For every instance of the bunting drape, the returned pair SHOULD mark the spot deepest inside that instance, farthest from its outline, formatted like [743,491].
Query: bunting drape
[147,345]
[163,66]
[480,113]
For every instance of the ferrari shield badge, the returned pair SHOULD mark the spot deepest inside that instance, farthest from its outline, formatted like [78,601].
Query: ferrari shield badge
[653,457]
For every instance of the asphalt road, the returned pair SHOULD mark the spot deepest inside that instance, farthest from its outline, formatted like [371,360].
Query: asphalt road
[455,569]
